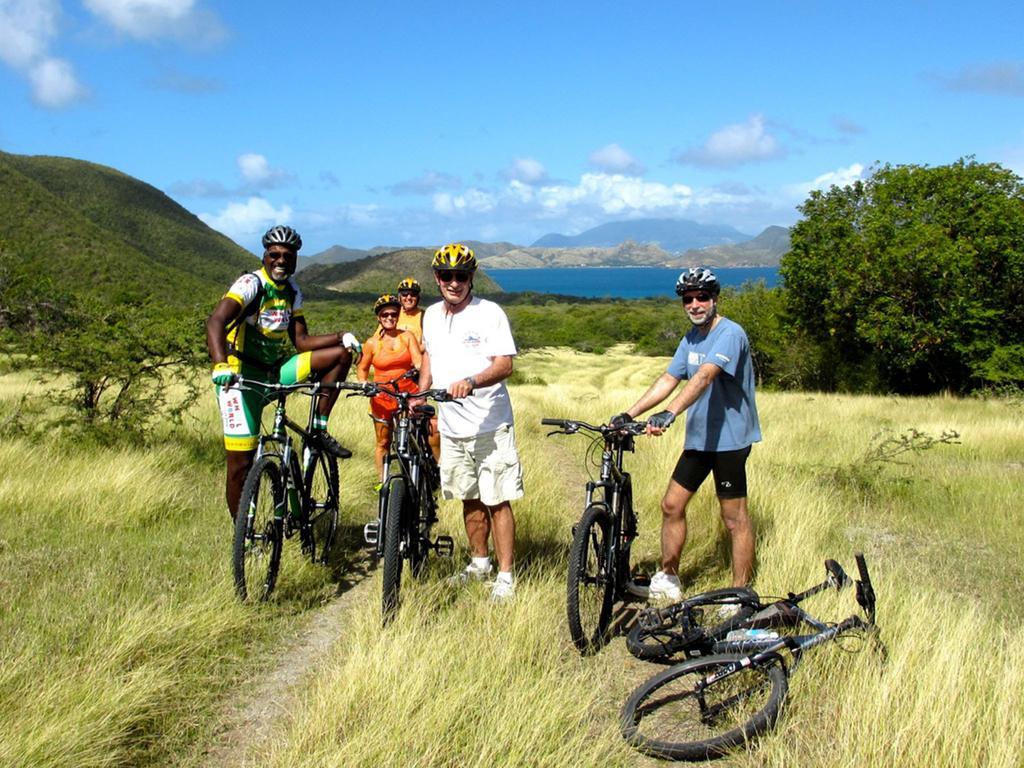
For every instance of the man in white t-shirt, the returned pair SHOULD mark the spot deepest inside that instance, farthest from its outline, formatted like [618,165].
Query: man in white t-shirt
[468,351]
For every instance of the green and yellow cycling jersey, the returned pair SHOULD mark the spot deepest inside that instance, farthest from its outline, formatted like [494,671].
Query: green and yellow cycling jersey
[260,335]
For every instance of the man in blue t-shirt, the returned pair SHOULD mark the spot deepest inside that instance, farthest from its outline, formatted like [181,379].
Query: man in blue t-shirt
[721,425]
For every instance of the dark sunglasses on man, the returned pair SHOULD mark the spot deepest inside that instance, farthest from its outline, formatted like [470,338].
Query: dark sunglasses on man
[448,275]
[701,297]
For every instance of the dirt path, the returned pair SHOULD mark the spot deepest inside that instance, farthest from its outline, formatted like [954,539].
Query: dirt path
[258,713]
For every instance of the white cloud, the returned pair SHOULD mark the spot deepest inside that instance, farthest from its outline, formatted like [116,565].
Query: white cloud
[616,194]
[527,170]
[153,19]
[30,27]
[54,83]
[612,158]
[245,221]
[734,145]
[257,172]
[840,177]
[471,201]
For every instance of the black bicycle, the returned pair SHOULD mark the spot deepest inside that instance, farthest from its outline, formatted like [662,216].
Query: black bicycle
[599,569]
[708,705]
[407,506]
[289,489]
[697,625]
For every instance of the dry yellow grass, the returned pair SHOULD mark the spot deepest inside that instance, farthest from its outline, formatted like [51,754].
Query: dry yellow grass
[117,621]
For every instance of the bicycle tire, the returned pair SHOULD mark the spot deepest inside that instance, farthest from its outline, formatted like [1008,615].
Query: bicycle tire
[256,547]
[419,533]
[666,717]
[322,497]
[662,643]
[590,588]
[392,561]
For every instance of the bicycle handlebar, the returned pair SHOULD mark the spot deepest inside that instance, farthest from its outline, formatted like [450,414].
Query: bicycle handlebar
[371,389]
[241,382]
[865,591]
[571,426]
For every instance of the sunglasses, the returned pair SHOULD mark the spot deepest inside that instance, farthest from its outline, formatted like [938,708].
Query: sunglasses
[388,315]
[701,297]
[407,293]
[447,275]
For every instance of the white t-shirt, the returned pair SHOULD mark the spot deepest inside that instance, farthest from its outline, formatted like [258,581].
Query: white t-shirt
[462,345]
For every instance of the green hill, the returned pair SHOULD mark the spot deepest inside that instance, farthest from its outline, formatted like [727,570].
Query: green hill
[381,273]
[94,230]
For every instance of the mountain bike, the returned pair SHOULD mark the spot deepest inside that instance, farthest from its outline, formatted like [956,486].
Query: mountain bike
[698,625]
[599,569]
[407,505]
[708,705]
[292,487]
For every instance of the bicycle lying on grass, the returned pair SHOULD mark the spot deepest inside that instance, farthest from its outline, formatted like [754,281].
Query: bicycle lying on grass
[599,569]
[407,506]
[710,704]
[284,495]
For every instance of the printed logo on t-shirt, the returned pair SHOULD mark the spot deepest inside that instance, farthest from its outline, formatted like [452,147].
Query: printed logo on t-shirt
[694,358]
[471,339]
[723,358]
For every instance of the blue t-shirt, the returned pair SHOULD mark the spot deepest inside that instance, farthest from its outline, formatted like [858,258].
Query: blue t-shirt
[724,418]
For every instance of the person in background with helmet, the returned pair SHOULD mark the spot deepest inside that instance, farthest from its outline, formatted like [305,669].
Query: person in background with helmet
[721,425]
[411,318]
[247,335]
[392,353]
[469,351]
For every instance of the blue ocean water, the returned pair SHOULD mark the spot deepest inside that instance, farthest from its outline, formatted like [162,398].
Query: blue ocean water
[618,282]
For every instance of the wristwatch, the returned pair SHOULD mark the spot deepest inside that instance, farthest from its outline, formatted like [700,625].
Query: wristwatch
[472,383]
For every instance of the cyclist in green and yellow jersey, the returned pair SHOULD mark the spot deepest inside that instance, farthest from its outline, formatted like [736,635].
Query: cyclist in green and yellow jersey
[248,335]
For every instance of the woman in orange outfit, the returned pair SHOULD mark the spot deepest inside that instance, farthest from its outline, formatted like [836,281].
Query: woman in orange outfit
[391,352]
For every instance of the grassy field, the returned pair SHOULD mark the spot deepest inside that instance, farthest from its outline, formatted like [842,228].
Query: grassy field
[121,642]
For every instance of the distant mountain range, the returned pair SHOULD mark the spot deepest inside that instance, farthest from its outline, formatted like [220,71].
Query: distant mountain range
[381,273]
[641,242]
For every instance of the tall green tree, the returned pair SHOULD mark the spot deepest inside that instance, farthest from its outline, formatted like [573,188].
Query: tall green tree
[913,280]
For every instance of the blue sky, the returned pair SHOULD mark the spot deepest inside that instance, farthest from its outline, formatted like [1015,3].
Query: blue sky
[409,123]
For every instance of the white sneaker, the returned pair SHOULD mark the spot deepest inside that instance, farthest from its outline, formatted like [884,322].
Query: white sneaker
[503,589]
[665,587]
[471,573]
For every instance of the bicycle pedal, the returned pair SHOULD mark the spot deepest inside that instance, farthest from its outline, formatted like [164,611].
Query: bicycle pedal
[371,532]
[444,546]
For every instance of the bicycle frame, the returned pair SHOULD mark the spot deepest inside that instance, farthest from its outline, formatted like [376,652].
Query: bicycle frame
[405,459]
[293,473]
[615,488]
[409,455]
[766,650]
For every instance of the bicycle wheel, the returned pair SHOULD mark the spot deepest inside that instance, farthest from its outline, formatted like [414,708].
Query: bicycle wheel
[256,550]
[674,716]
[419,533]
[322,498]
[392,548]
[660,643]
[590,588]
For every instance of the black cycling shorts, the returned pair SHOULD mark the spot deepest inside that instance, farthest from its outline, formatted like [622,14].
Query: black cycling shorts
[729,467]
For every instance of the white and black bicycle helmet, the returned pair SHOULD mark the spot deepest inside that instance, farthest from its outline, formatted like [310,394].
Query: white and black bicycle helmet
[698,279]
[282,235]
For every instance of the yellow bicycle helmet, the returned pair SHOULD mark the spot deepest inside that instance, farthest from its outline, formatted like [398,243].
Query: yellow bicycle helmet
[454,256]
[409,284]
[387,300]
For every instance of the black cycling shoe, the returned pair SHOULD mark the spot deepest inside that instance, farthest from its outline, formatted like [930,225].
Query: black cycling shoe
[329,445]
